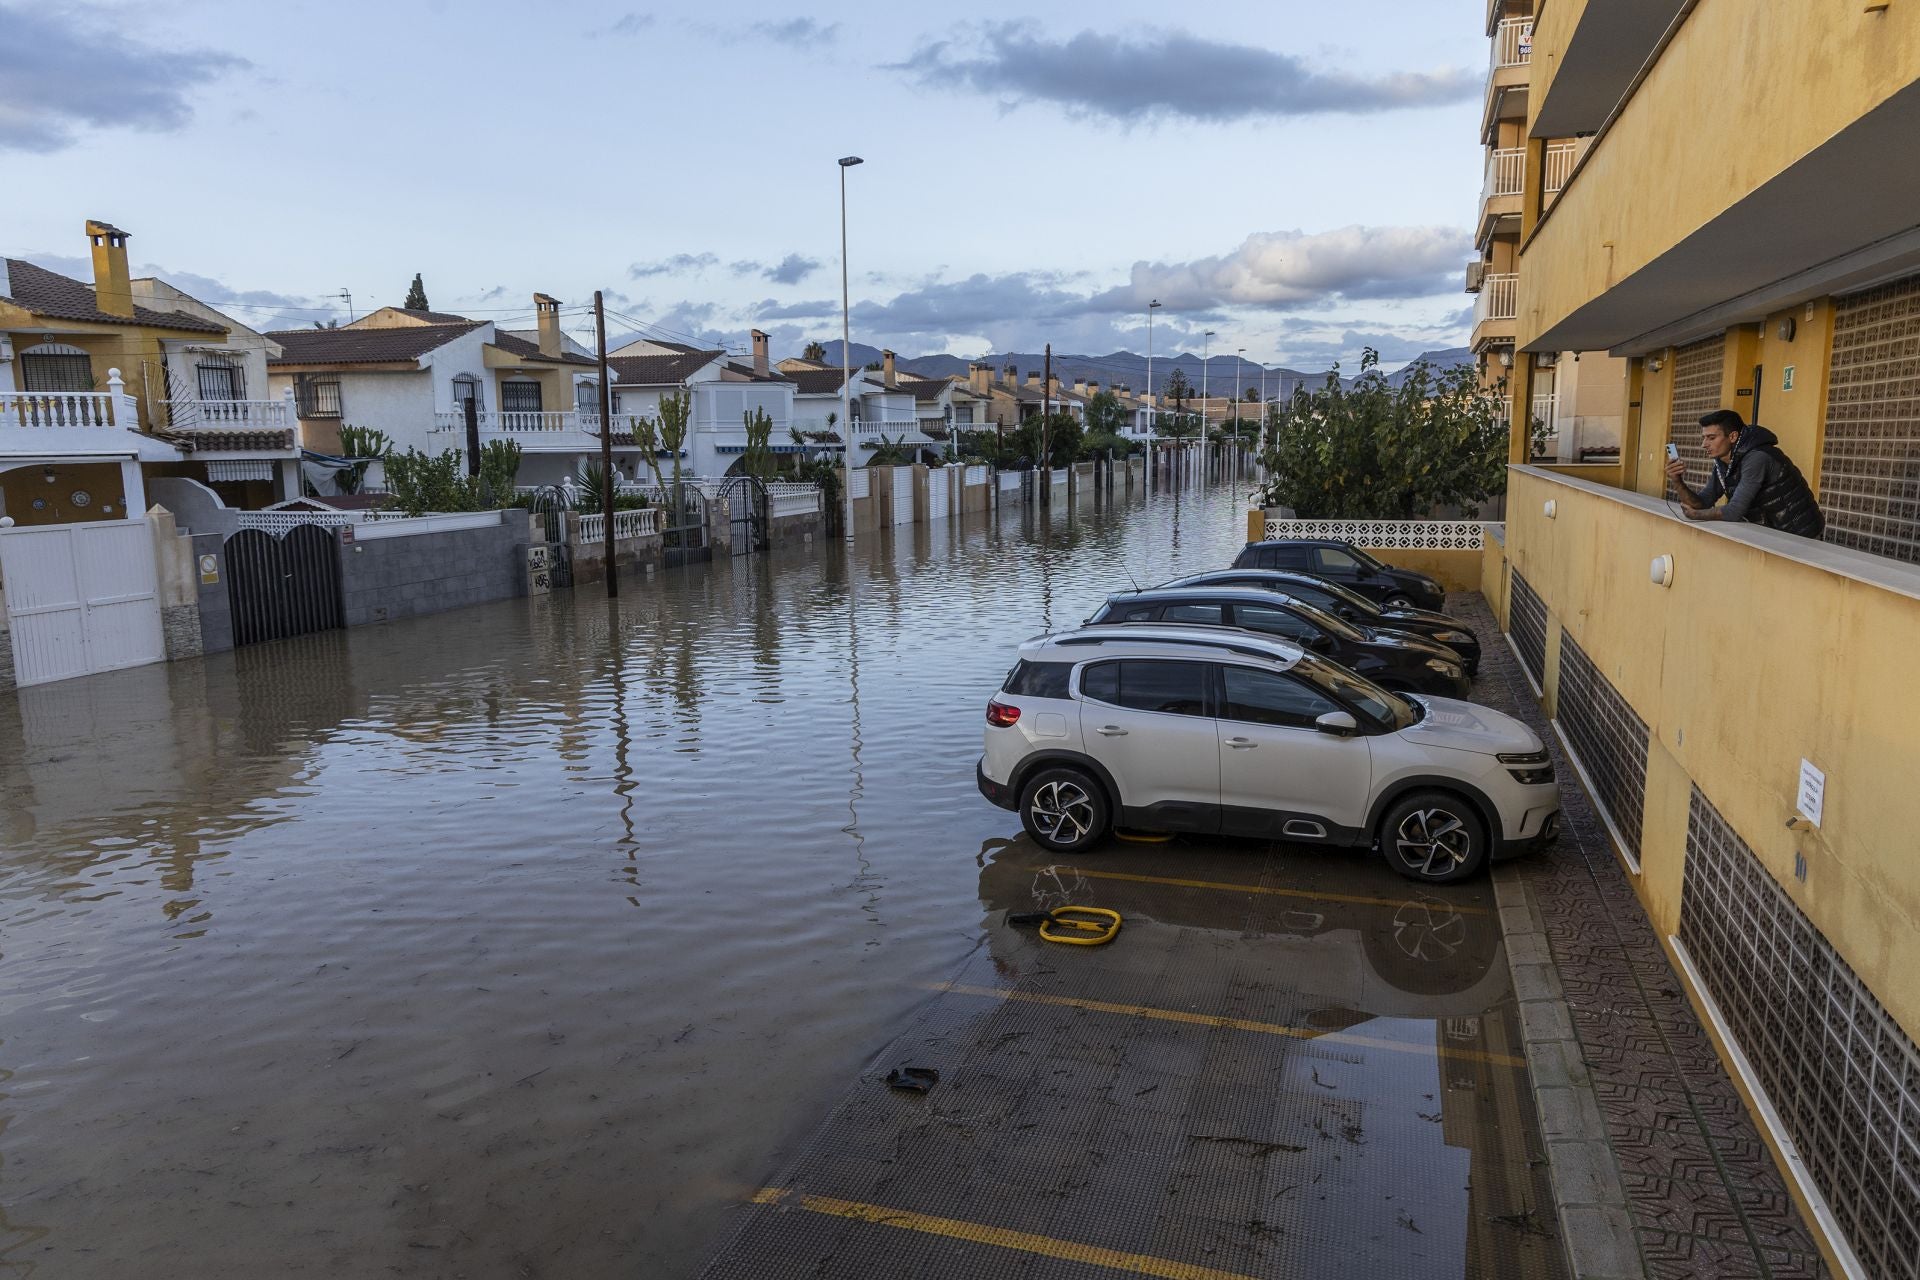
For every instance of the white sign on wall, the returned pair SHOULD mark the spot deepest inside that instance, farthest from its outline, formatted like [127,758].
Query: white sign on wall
[1813,792]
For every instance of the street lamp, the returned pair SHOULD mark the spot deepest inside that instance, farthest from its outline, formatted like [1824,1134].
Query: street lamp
[846,355]
[1239,392]
[1151,308]
[1206,346]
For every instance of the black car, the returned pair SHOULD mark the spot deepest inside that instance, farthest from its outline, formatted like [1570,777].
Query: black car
[1397,660]
[1347,565]
[1344,602]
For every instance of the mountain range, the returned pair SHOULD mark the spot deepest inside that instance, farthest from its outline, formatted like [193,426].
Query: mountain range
[1130,369]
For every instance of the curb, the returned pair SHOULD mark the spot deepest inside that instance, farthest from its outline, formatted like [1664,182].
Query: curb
[1589,1196]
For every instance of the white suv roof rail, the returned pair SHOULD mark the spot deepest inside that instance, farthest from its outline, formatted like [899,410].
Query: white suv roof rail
[1231,639]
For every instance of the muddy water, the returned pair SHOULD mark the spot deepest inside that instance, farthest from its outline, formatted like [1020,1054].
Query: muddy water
[519,941]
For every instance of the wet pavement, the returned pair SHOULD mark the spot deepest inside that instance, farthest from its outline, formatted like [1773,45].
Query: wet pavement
[535,939]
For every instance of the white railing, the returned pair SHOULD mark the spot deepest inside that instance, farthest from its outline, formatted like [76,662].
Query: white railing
[516,421]
[1561,157]
[1513,42]
[1498,298]
[58,409]
[1544,437]
[1406,535]
[626,524]
[1506,173]
[228,415]
[793,503]
[279,522]
[886,426]
[976,474]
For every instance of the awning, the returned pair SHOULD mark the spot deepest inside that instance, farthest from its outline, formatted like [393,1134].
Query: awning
[259,469]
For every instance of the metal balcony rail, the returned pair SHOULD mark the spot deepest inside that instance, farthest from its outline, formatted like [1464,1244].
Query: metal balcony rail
[1498,298]
[58,409]
[1506,173]
[1561,157]
[1513,42]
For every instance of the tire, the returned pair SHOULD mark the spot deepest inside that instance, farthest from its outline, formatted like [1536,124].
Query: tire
[1065,810]
[1398,600]
[1433,837]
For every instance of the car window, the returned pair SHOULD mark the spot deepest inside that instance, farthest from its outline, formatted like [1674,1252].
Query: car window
[1038,679]
[1128,613]
[1173,688]
[1286,557]
[1204,614]
[1388,710]
[1333,559]
[1101,682]
[1272,621]
[1264,697]
[1327,621]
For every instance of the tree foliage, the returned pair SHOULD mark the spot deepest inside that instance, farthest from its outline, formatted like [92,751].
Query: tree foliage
[1105,415]
[416,295]
[1380,452]
[814,351]
[366,445]
[422,483]
[1063,436]
[499,469]
[1179,390]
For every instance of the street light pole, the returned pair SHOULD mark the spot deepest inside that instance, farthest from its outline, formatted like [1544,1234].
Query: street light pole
[1206,346]
[846,357]
[1152,412]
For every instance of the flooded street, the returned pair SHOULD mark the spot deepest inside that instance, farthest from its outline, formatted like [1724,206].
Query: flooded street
[529,940]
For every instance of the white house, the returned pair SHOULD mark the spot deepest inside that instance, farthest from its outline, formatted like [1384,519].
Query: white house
[882,405]
[725,393]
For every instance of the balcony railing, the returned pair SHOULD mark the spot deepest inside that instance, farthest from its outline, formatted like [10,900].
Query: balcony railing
[515,421]
[228,415]
[1561,157]
[1546,424]
[1498,298]
[626,524]
[61,409]
[1513,42]
[1506,173]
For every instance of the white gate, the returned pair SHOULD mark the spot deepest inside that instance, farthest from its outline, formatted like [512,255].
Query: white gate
[939,493]
[902,495]
[80,598]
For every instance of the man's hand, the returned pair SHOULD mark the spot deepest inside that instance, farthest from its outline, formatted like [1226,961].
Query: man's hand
[1676,469]
[1694,513]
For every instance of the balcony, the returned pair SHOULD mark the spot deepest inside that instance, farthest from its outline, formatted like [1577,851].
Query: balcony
[1498,298]
[513,422]
[1546,426]
[227,415]
[1500,192]
[1508,73]
[65,409]
[1560,161]
[1512,43]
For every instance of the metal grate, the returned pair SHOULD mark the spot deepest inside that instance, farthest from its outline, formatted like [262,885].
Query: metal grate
[1696,391]
[1439,535]
[1841,1072]
[1870,466]
[1609,738]
[1527,627]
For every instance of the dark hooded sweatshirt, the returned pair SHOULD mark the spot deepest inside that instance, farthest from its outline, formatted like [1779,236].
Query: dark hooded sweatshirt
[1762,486]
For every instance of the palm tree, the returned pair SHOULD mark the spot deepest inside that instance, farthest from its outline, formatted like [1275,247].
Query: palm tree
[815,352]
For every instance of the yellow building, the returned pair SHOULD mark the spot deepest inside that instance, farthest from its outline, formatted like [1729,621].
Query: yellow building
[1742,227]
[1577,399]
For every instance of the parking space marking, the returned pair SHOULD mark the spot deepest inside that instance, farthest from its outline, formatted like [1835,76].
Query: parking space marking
[1260,888]
[1236,1024]
[1139,1264]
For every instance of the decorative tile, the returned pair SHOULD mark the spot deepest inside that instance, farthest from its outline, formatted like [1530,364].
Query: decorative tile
[1609,738]
[1868,487]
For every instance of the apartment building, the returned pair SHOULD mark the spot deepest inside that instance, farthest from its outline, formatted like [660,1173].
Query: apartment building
[1740,224]
[1578,398]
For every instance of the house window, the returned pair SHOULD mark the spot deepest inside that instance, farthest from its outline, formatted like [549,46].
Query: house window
[55,367]
[466,390]
[520,397]
[586,397]
[317,397]
[221,378]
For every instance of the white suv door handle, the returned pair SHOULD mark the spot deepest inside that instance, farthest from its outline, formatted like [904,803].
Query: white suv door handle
[1111,731]
[1241,744]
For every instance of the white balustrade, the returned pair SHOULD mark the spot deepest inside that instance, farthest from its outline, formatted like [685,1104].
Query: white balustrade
[626,524]
[1498,298]
[228,415]
[516,421]
[58,409]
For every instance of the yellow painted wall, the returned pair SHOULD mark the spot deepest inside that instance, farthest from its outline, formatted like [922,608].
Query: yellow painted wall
[1553,30]
[21,487]
[1746,664]
[1754,95]
[1454,570]
[1607,473]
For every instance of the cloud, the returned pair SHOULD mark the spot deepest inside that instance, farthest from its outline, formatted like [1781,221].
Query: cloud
[803,33]
[1164,74]
[64,68]
[1288,269]
[631,24]
[791,269]
[678,264]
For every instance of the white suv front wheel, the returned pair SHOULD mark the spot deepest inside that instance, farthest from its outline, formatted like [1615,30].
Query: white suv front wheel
[1064,810]
[1434,837]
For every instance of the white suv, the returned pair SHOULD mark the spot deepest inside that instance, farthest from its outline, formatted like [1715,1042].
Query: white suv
[1204,730]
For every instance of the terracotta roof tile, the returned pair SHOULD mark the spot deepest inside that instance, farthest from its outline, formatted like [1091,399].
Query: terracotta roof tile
[364,346]
[659,371]
[815,382]
[525,350]
[48,293]
[265,439]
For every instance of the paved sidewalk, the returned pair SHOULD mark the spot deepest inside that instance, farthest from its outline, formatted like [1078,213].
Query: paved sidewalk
[1704,1196]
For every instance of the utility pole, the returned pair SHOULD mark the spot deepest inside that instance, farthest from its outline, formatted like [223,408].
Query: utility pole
[846,366]
[1206,360]
[1046,415]
[1152,417]
[346,297]
[606,445]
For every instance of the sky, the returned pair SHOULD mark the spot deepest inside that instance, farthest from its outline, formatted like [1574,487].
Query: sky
[1299,178]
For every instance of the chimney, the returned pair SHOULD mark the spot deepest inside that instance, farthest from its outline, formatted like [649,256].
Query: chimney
[889,375]
[1090,390]
[112,289]
[548,310]
[760,366]
[980,378]
[1011,376]
[1053,387]
[1033,379]
[1080,388]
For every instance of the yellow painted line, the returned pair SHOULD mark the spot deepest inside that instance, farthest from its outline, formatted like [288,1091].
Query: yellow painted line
[1259,888]
[1139,1264]
[1236,1024]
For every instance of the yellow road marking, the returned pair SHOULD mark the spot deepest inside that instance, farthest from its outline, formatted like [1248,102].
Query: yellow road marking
[1236,1024]
[1260,888]
[1139,1264]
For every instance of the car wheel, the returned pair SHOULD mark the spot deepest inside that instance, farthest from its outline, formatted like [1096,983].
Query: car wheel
[1398,600]
[1064,810]
[1434,837]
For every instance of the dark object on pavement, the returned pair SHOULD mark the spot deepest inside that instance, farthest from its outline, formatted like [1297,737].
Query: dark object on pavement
[912,1079]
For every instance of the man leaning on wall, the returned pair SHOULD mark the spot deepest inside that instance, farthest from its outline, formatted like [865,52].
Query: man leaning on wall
[1750,470]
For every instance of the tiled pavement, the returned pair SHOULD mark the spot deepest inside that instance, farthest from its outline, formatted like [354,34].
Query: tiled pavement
[1706,1200]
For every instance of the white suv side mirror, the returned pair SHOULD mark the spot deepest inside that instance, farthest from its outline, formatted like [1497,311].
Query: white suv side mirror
[1337,722]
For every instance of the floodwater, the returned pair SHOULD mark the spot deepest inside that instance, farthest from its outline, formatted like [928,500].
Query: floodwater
[529,939]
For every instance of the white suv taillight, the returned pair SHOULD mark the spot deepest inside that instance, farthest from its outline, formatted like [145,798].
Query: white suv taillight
[1002,716]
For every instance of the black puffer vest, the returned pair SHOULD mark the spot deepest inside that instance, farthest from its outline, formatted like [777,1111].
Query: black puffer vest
[1785,502]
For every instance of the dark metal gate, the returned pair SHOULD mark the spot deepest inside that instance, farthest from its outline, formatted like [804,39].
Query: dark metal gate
[283,586]
[550,504]
[683,524]
[746,499]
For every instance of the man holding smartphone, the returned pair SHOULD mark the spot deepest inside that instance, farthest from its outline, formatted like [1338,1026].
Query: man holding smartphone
[1758,480]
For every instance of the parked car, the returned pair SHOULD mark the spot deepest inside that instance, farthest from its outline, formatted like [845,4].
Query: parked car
[1347,565]
[1397,660]
[1347,603]
[1194,729]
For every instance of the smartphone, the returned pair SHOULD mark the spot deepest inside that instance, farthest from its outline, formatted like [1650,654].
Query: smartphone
[1673,452]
